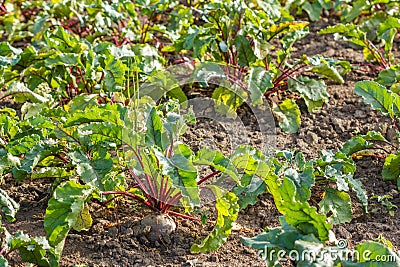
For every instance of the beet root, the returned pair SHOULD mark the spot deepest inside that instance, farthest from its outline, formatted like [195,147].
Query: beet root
[157,227]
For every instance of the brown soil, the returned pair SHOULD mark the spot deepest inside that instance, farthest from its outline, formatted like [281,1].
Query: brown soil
[113,239]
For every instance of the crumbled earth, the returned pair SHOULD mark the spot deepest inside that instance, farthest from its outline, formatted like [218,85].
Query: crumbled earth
[114,239]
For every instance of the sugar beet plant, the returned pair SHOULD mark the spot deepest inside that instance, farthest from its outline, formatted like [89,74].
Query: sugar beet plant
[241,35]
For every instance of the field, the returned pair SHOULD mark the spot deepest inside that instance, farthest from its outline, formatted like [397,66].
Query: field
[200,133]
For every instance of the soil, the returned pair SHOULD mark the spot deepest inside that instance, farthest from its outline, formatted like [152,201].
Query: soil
[113,239]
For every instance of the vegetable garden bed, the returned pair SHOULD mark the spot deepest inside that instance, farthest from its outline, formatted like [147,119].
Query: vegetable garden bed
[73,113]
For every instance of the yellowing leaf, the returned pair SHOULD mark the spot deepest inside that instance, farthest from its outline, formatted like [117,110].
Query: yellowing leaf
[84,220]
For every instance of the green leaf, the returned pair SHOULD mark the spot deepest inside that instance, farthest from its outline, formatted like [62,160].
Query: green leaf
[288,114]
[313,10]
[32,249]
[3,262]
[361,142]
[218,161]
[91,172]
[189,40]
[326,68]
[39,152]
[82,102]
[147,57]
[115,74]
[290,38]
[104,134]
[339,204]
[106,113]
[288,239]
[8,206]
[7,49]
[64,59]
[356,186]
[303,181]
[259,81]
[389,23]
[51,172]
[8,54]
[251,187]
[175,123]
[206,72]
[271,8]
[255,167]
[298,214]
[228,210]
[244,50]
[160,83]
[182,172]
[340,168]
[356,9]
[274,239]
[154,129]
[389,77]
[377,96]
[337,176]
[314,91]
[387,31]
[21,93]
[63,41]
[228,100]
[391,168]
[339,28]
[250,161]
[63,210]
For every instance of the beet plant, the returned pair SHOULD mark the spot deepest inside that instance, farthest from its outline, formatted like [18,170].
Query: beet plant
[90,150]
[314,9]
[375,37]
[113,21]
[32,249]
[305,237]
[289,244]
[65,66]
[386,100]
[241,36]
[166,173]
[369,11]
